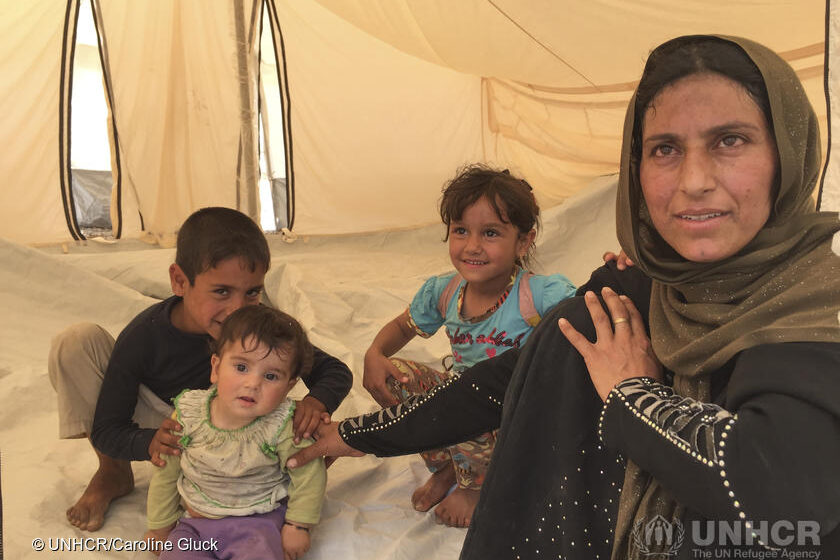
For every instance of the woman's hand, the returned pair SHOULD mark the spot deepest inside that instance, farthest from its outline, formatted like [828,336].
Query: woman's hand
[622,261]
[164,441]
[379,373]
[327,444]
[615,355]
[309,414]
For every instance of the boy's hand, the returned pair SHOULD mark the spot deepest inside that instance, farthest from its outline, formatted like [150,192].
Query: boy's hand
[158,535]
[309,414]
[379,370]
[165,442]
[621,260]
[295,542]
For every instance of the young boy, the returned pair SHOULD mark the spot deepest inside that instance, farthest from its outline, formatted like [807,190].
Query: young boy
[237,436]
[220,264]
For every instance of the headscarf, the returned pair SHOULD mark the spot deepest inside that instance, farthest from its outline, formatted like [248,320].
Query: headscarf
[783,286]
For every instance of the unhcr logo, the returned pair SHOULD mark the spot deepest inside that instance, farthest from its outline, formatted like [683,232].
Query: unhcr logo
[775,535]
[763,540]
[658,537]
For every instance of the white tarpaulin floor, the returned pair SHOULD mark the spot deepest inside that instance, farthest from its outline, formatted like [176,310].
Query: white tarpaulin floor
[343,290]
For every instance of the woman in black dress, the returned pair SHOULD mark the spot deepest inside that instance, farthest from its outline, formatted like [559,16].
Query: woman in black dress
[734,440]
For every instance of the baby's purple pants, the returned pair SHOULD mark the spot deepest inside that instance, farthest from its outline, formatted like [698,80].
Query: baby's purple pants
[240,538]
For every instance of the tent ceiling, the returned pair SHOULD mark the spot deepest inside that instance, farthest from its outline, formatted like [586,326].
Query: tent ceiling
[595,44]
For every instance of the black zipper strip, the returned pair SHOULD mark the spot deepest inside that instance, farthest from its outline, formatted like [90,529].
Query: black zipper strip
[283,80]
[827,68]
[64,120]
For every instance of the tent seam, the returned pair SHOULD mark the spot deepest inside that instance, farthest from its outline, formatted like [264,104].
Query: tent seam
[826,88]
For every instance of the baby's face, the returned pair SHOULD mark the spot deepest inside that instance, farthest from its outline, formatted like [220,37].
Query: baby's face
[252,380]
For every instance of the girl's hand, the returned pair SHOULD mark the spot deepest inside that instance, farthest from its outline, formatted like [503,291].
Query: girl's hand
[309,414]
[295,542]
[159,536]
[622,260]
[616,355]
[378,370]
[164,441]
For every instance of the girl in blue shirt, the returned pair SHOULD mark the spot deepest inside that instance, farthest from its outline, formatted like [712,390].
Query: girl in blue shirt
[489,304]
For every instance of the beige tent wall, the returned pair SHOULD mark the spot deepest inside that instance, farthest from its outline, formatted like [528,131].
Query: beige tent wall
[177,102]
[556,77]
[31,210]
[560,134]
[375,132]
[560,141]
[387,99]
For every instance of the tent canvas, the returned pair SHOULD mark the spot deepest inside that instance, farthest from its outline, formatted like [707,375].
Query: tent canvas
[385,99]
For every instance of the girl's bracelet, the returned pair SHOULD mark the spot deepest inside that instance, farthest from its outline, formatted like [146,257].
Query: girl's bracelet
[302,528]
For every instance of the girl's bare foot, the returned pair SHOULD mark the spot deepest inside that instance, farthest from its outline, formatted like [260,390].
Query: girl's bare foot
[456,510]
[112,480]
[435,489]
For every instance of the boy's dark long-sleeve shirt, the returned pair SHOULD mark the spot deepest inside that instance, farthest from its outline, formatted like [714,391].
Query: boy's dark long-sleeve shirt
[152,352]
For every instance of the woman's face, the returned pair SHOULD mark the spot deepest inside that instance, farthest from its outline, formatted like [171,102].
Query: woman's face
[707,167]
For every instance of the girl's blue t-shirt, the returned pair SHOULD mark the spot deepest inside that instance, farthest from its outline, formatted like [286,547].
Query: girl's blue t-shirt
[505,328]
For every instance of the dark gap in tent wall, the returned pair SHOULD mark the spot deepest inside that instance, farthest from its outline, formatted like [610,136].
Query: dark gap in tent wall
[92,200]
[116,174]
[276,185]
[66,91]
[283,81]
[90,141]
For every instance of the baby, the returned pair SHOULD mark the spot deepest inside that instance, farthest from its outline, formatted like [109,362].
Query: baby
[237,436]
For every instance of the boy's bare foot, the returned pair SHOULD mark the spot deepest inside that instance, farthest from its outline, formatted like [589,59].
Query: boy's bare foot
[456,510]
[112,480]
[435,489]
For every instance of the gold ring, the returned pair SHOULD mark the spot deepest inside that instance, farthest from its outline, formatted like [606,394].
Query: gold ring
[620,320]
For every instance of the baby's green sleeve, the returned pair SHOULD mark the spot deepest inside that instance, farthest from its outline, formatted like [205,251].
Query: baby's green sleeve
[163,502]
[308,482]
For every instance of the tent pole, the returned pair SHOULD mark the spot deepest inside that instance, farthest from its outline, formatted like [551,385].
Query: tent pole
[247,178]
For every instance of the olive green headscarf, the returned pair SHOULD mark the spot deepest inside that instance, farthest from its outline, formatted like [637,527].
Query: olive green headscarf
[784,286]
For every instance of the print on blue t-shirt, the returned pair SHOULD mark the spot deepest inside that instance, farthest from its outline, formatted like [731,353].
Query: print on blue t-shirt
[504,329]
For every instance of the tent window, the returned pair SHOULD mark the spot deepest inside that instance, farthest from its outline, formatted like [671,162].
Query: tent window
[90,150]
[272,187]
